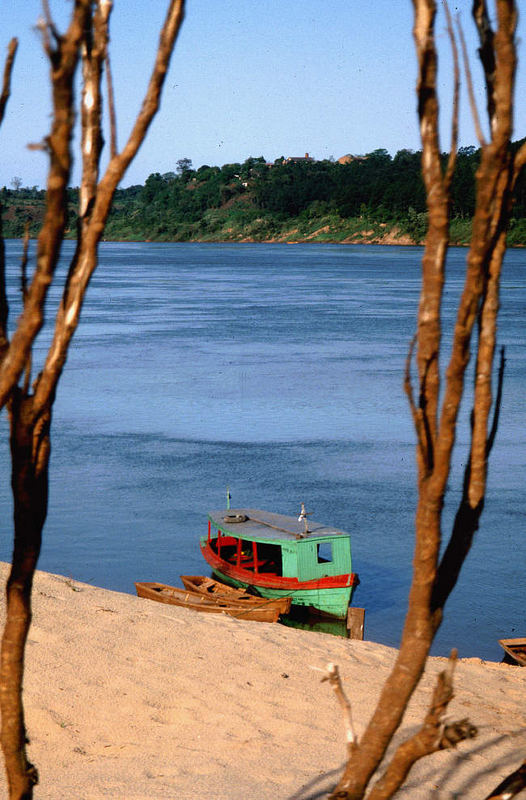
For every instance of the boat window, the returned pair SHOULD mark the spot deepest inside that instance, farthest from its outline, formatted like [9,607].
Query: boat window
[324,552]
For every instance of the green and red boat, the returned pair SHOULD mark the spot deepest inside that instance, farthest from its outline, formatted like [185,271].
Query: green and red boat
[282,556]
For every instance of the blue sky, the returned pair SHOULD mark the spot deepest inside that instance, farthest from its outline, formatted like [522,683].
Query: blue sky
[248,78]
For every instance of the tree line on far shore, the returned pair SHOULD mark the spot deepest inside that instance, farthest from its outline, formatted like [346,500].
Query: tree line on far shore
[371,198]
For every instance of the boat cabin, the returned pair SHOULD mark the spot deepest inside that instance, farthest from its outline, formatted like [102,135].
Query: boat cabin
[268,545]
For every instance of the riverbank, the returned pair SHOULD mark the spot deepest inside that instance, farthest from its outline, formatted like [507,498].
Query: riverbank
[130,699]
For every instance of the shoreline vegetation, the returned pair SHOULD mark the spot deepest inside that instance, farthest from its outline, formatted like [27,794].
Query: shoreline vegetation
[172,702]
[370,199]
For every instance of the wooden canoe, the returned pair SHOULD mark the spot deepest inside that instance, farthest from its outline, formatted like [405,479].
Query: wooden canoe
[171,595]
[516,649]
[215,589]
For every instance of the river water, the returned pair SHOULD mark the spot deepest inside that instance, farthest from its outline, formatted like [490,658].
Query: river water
[276,370]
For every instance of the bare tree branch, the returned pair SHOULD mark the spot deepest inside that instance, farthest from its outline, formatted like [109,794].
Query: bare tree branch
[6,83]
[86,260]
[486,53]
[49,30]
[471,93]
[30,414]
[50,25]
[63,65]
[416,413]
[479,300]
[434,735]
[120,163]
[109,86]
[466,520]
[333,676]
[111,108]
[93,50]
[30,443]
[23,289]
[487,248]
[450,169]
[437,238]
[425,444]
[520,161]
[510,786]
[4,306]
[498,402]
[483,367]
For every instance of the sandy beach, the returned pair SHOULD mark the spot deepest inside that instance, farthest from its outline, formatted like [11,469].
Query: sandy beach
[127,698]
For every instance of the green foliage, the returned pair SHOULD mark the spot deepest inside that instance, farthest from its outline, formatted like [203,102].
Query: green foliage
[517,232]
[415,225]
[363,200]
[460,230]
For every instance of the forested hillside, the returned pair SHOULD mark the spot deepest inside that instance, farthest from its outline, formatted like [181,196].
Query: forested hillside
[375,198]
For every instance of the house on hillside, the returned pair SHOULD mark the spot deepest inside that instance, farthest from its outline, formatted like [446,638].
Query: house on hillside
[349,158]
[298,159]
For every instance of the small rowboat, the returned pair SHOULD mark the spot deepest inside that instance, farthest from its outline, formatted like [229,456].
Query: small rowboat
[171,595]
[516,649]
[215,589]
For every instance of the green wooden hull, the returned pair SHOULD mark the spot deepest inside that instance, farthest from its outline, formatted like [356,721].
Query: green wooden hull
[332,602]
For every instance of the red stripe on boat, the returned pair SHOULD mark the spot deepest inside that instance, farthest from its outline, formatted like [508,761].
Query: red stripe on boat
[274,581]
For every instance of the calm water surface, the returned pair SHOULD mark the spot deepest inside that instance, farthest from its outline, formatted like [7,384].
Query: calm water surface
[276,370]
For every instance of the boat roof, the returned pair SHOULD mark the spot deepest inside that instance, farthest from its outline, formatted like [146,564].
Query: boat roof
[268,525]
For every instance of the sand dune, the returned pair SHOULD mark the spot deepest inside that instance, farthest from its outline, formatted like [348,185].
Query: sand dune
[126,698]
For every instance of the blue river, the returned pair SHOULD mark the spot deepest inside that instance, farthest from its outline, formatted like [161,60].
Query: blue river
[276,370]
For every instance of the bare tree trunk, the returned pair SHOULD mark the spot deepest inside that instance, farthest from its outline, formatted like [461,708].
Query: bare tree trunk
[435,417]
[30,458]
[4,97]
[30,413]
[30,432]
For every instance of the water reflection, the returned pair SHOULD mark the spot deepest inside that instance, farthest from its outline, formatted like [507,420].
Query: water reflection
[302,618]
